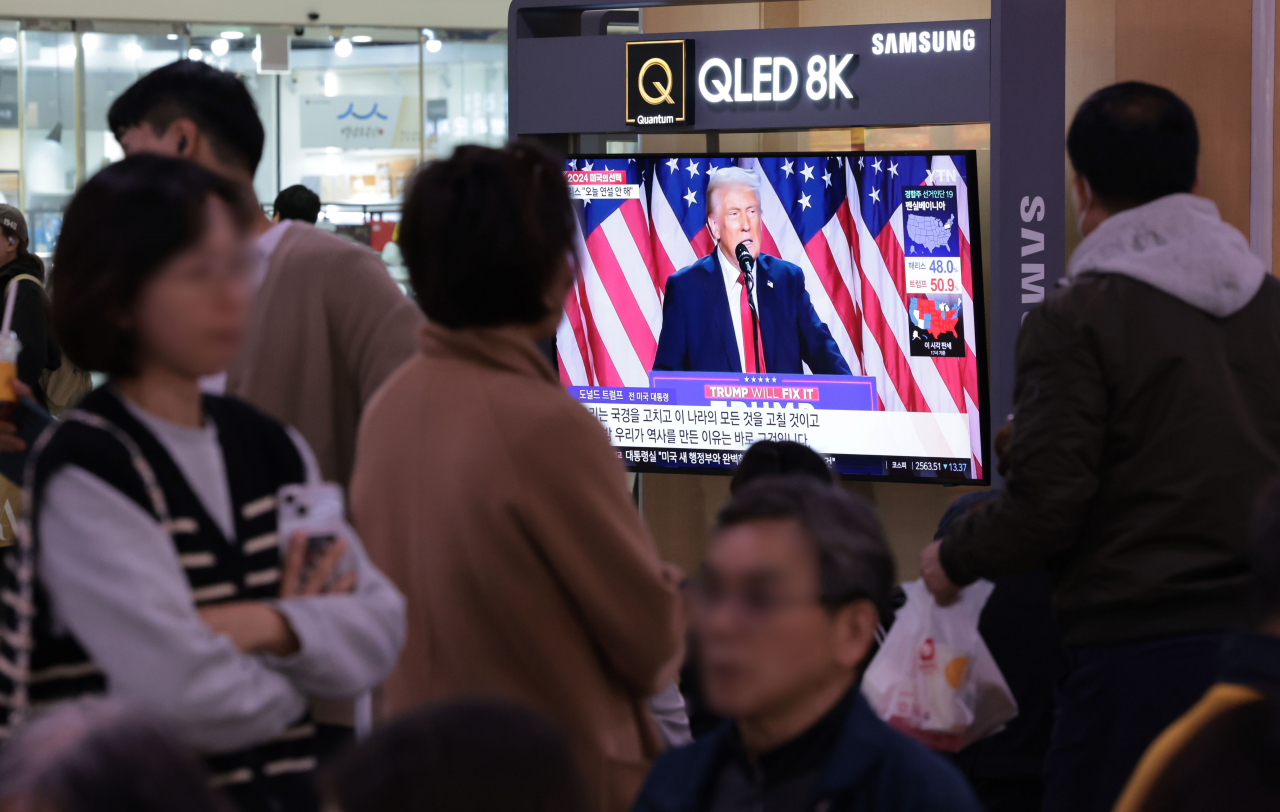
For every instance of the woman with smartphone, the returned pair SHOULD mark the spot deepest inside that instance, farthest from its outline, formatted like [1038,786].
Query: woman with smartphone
[153,570]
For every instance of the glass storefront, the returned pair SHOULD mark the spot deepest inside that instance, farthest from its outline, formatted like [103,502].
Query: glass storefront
[348,111]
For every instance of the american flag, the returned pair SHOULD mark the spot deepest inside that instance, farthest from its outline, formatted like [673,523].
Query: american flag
[838,218]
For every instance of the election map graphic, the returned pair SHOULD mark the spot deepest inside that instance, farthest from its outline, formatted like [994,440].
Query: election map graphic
[929,232]
[936,328]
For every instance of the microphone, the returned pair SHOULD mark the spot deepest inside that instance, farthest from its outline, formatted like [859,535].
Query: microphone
[747,263]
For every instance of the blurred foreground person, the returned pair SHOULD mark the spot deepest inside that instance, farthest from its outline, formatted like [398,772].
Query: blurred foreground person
[785,612]
[152,570]
[326,323]
[1145,406]
[1224,753]
[494,499]
[96,755]
[777,457]
[460,756]
[296,203]
[765,458]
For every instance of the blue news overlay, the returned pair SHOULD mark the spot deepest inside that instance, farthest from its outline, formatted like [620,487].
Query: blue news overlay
[836,392]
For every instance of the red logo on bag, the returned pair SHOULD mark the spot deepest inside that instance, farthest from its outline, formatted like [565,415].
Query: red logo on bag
[927,650]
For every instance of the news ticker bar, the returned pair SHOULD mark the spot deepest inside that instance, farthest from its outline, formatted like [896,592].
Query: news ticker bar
[851,464]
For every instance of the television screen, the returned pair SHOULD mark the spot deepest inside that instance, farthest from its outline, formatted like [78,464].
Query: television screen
[833,300]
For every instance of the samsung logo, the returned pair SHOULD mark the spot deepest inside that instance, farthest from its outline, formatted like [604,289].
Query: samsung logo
[923,42]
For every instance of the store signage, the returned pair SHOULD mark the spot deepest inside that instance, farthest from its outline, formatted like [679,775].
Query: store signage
[753,80]
[656,76]
[924,42]
[825,76]
[350,122]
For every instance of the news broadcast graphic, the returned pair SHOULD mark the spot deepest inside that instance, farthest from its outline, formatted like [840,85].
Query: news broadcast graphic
[831,300]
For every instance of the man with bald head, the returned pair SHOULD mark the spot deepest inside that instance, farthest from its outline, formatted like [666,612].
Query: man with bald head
[715,318]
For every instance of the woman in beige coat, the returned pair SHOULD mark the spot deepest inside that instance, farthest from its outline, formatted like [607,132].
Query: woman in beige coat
[493,499]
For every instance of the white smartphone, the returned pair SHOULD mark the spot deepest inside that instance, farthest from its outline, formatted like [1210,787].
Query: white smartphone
[317,511]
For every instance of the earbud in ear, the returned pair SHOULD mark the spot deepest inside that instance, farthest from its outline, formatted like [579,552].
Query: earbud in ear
[182,144]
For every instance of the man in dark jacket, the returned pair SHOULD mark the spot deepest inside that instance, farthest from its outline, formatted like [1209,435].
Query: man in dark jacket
[1146,420]
[785,611]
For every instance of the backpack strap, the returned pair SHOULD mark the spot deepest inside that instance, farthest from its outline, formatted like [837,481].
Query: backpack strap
[19,278]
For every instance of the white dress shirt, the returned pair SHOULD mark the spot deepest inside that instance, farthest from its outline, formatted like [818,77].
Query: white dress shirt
[733,289]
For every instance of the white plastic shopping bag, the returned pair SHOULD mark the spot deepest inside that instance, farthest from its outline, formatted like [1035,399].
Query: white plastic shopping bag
[934,678]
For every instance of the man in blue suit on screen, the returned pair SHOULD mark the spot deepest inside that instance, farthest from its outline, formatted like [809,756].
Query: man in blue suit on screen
[715,318]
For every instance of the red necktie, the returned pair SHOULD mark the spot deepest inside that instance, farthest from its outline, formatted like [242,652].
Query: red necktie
[750,331]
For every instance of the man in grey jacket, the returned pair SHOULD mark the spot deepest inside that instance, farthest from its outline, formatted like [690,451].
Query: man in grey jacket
[1146,422]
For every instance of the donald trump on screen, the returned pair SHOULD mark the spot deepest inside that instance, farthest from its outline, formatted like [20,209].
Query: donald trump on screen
[716,318]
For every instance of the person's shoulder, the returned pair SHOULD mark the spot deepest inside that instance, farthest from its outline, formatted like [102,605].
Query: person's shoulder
[546,415]
[780,270]
[688,274]
[1268,293]
[679,774]
[1090,290]
[242,423]
[918,777]
[402,390]
[227,409]
[304,243]
[85,439]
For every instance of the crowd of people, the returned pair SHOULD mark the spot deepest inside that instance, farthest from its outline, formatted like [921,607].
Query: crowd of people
[487,625]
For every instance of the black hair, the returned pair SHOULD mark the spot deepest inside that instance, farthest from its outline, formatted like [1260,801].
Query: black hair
[463,756]
[24,250]
[853,559]
[298,203]
[123,225]
[1265,552]
[780,457]
[217,101]
[484,234]
[98,755]
[1134,142]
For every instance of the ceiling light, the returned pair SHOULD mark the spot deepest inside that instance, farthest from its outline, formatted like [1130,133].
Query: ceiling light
[428,33]
[8,45]
[330,83]
[132,50]
[434,45]
[220,47]
[171,37]
[67,52]
[195,54]
[232,35]
[90,42]
[362,38]
[342,48]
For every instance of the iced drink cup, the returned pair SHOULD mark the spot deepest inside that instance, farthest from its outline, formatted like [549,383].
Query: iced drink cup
[10,346]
